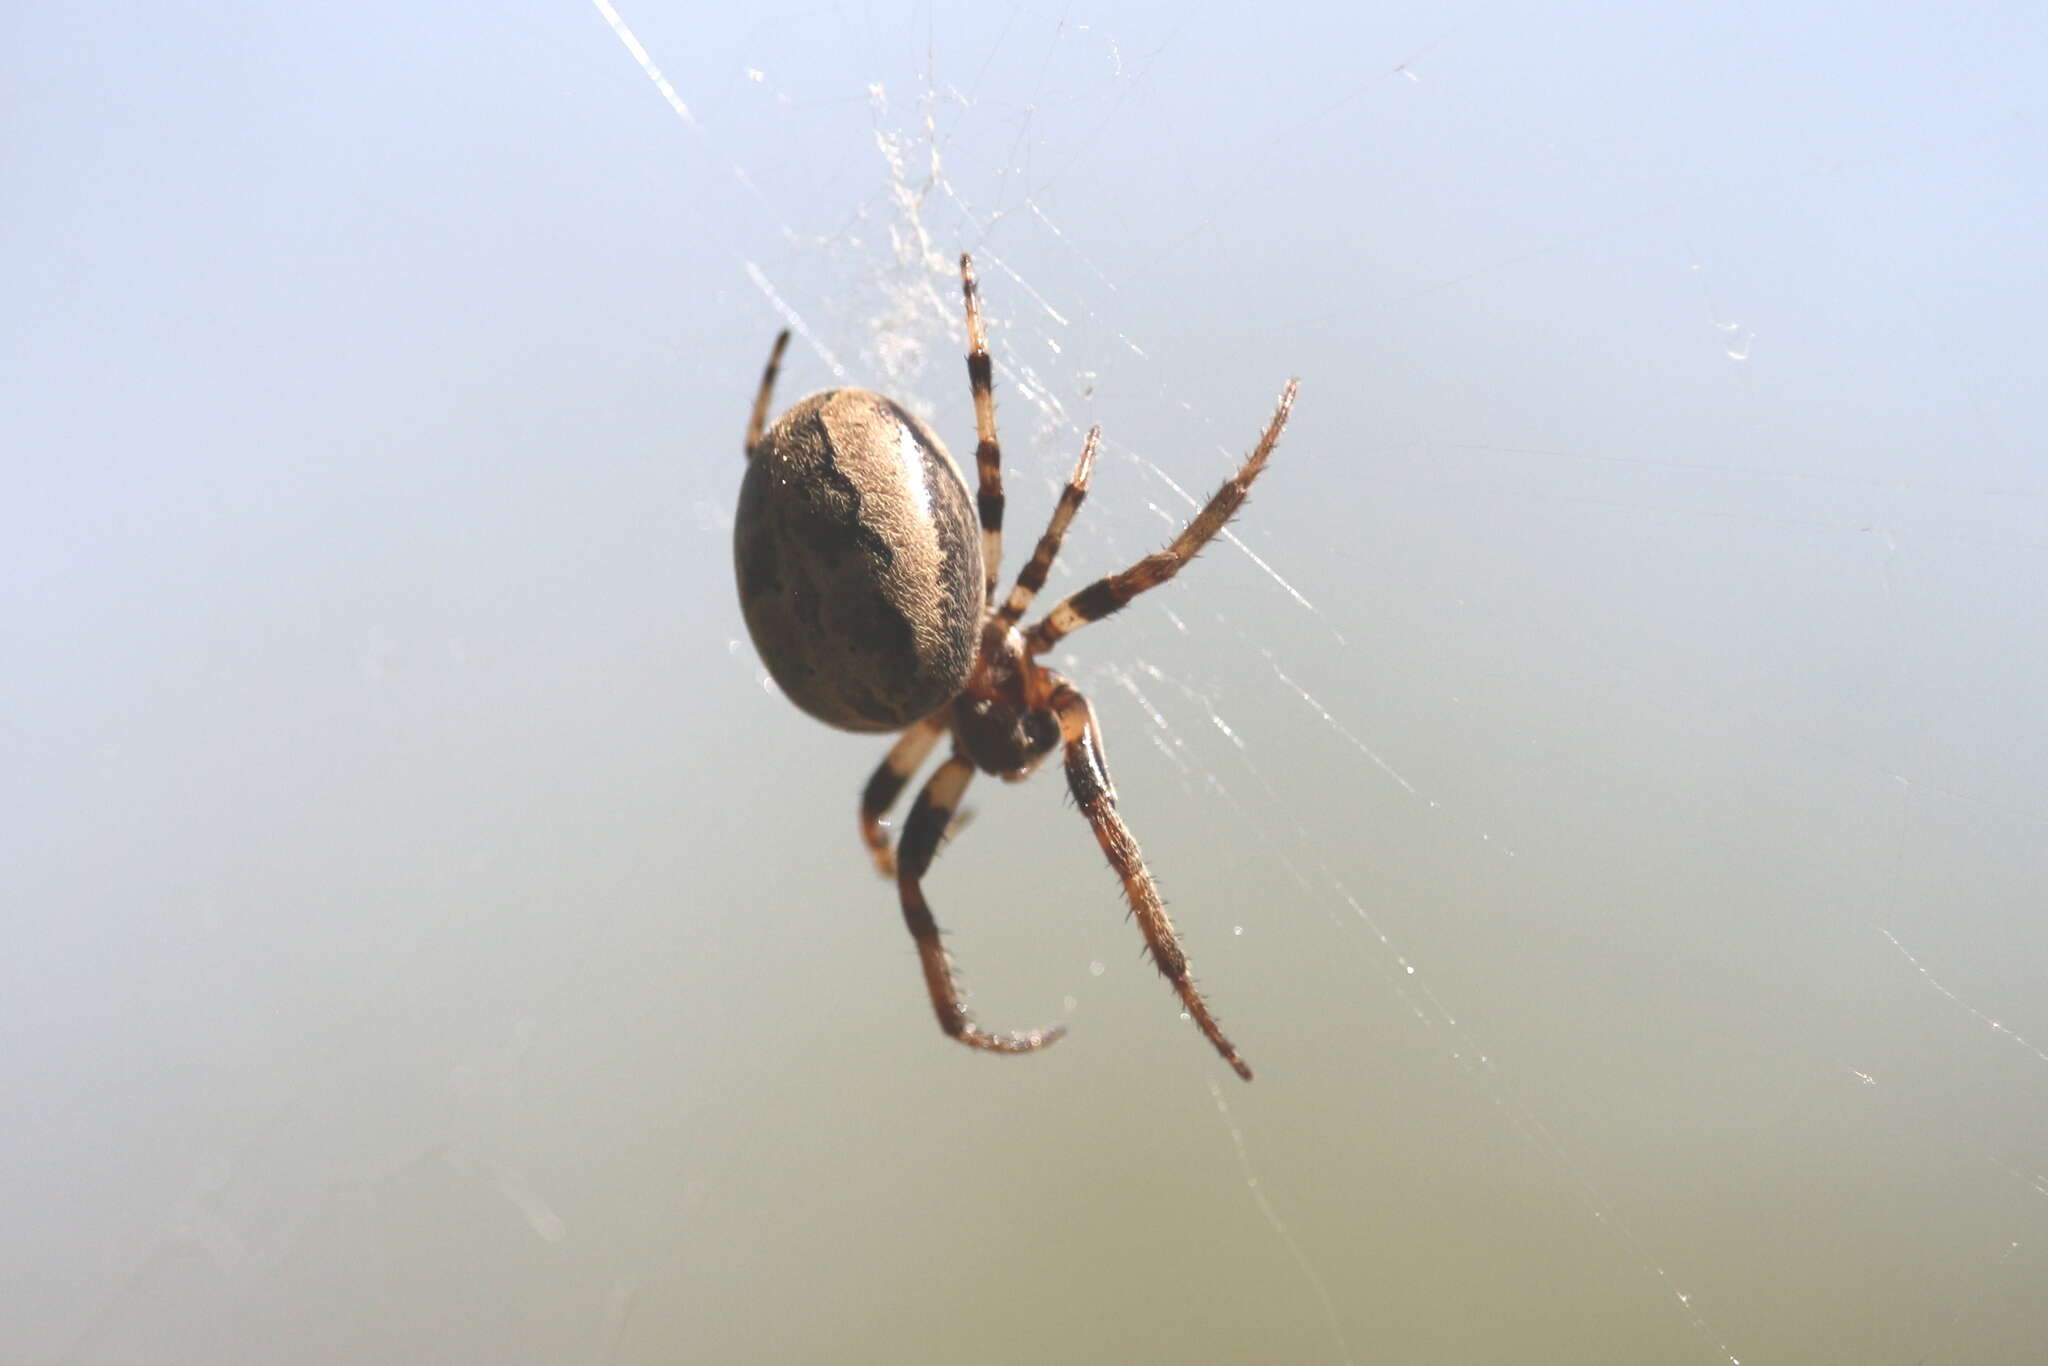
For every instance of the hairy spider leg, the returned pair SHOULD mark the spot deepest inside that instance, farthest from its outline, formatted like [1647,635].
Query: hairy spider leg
[886,784]
[1031,577]
[758,421]
[988,454]
[1088,780]
[1112,592]
[922,831]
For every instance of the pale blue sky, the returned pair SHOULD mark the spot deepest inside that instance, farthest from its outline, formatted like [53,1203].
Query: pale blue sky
[1607,810]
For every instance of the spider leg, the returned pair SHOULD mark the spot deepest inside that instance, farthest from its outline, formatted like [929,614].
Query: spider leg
[1088,779]
[759,420]
[927,822]
[886,784]
[1111,592]
[988,455]
[1031,577]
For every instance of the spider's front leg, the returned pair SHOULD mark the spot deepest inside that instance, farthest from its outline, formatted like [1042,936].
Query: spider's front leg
[922,831]
[886,784]
[1088,779]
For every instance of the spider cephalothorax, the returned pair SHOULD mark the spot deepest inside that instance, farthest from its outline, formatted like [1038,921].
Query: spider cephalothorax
[873,604]
[1003,728]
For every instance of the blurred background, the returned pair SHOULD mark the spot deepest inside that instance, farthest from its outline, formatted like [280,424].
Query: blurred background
[1599,785]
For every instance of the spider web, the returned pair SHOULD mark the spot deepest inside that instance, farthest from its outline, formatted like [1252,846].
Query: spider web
[1596,779]
[966,163]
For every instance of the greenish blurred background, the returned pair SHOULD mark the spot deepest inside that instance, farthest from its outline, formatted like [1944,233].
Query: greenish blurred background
[1600,790]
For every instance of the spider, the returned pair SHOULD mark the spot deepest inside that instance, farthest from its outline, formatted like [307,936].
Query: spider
[873,604]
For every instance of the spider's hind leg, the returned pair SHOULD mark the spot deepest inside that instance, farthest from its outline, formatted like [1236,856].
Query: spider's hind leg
[1031,577]
[757,421]
[1111,592]
[988,451]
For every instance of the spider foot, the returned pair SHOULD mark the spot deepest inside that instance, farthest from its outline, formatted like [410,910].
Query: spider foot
[1194,1008]
[1020,1041]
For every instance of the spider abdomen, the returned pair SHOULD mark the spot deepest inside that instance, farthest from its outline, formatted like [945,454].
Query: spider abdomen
[859,562]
